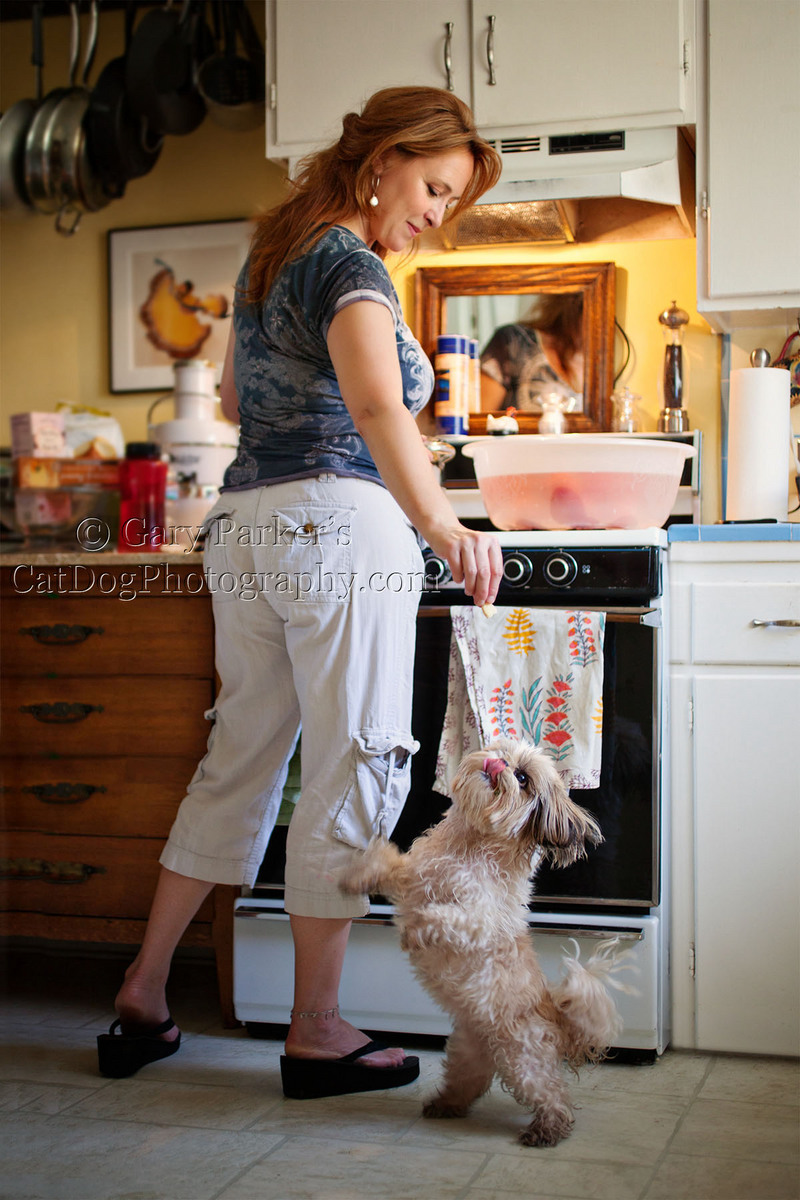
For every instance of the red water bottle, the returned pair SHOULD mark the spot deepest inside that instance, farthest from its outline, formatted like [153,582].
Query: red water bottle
[142,488]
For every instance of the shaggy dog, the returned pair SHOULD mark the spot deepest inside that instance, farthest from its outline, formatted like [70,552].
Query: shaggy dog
[461,895]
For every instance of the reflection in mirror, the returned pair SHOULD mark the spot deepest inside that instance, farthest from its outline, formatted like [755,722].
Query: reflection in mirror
[531,346]
[540,329]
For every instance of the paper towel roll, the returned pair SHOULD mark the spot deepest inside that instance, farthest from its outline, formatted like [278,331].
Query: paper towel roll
[758,444]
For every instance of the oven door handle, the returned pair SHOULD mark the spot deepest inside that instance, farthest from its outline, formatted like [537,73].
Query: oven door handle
[624,935]
[272,914]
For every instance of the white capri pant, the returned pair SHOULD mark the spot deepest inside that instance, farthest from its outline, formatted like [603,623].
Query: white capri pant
[315,586]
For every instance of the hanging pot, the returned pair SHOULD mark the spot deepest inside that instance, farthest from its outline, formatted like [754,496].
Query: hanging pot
[119,142]
[72,179]
[232,84]
[159,71]
[14,126]
[38,183]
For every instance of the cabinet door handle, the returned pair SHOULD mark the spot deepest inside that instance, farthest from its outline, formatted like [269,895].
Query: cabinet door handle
[63,793]
[490,51]
[784,624]
[61,635]
[21,869]
[61,712]
[448,55]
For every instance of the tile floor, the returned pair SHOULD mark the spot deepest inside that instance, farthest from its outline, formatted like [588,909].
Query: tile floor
[211,1123]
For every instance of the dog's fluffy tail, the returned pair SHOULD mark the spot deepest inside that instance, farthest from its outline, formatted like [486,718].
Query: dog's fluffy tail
[589,1016]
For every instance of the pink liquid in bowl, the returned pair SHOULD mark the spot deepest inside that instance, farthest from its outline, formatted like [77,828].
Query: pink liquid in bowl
[579,499]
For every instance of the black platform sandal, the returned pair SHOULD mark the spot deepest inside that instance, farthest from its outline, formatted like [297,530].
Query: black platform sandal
[122,1054]
[313,1078]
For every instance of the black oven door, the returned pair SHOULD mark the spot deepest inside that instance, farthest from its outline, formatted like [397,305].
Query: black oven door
[621,872]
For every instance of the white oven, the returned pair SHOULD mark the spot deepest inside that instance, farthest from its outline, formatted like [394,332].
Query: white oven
[619,890]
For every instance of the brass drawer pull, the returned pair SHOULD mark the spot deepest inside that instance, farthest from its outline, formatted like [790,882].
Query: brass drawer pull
[60,713]
[61,635]
[63,793]
[39,869]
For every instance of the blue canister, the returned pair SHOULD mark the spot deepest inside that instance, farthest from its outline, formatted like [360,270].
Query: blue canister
[452,371]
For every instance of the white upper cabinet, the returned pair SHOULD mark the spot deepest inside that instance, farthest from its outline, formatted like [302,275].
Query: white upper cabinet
[326,57]
[566,67]
[579,65]
[748,165]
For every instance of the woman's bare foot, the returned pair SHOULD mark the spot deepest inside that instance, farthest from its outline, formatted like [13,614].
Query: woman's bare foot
[142,1004]
[333,1037]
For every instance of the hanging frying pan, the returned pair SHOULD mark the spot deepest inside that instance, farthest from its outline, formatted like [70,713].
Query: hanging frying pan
[72,178]
[37,140]
[159,70]
[119,142]
[14,126]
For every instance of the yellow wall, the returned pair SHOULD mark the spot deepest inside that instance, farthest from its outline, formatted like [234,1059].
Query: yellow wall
[53,289]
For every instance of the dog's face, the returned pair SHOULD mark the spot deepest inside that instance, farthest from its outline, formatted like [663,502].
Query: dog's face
[512,790]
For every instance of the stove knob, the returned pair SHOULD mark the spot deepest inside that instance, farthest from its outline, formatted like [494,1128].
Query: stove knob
[517,570]
[436,571]
[560,570]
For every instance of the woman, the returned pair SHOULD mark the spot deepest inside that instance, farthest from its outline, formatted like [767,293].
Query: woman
[542,353]
[317,511]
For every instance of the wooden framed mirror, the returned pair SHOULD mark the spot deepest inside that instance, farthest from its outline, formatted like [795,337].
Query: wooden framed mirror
[492,302]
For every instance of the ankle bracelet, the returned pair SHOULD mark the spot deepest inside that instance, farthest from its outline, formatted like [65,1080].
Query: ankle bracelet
[327,1013]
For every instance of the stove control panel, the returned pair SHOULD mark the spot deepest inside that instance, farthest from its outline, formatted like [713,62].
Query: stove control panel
[596,575]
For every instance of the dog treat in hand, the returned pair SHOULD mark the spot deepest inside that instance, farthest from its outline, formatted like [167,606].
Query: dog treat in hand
[488,610]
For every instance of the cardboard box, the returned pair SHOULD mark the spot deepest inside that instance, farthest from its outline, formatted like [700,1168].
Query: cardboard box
[38,435]
[32,472]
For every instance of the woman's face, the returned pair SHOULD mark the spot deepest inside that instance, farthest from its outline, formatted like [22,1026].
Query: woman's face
[414,194]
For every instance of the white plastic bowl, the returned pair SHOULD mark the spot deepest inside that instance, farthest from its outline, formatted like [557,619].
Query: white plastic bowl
[578,480]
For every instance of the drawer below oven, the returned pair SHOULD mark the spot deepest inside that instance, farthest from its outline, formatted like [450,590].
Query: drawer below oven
[380,992]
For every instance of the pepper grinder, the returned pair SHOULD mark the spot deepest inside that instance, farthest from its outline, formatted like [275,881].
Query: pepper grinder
[674,417]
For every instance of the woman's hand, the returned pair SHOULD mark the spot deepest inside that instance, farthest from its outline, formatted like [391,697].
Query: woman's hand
[474,558]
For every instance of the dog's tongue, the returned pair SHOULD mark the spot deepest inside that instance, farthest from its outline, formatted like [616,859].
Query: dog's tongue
[493,768]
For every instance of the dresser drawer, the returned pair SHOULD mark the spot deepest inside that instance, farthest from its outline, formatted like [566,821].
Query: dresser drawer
[86,876]
[65,635]
[723,629]
[125,797]
[92,717]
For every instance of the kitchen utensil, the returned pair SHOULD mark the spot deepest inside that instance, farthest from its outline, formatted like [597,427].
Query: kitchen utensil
[199,446]
[14,126]
[577,481]
[38,182]
[72,177]
[119,142]
[623,410]
[673,418]
[159,70]
[231,84]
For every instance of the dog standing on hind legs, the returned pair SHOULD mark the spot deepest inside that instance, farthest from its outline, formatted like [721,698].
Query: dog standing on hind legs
[461,897]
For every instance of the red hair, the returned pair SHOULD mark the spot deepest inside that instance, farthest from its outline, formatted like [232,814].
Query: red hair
[336,183]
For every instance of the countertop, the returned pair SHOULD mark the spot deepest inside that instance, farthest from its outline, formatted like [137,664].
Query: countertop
[768,531]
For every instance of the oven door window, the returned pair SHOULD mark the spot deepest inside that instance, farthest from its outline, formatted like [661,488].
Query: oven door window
[623,869]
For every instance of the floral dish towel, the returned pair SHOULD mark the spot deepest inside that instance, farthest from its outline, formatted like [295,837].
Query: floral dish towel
[529,673]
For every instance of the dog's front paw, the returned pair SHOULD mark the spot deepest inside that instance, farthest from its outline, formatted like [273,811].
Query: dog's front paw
[547,1130]
[437,1106]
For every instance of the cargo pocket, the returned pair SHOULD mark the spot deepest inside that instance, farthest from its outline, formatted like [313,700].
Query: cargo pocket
[378,787]
[312,554]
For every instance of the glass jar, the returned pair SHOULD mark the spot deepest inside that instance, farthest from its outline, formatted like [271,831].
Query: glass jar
[623,410]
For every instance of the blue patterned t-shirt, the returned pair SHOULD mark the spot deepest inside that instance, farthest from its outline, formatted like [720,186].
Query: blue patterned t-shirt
[293,422]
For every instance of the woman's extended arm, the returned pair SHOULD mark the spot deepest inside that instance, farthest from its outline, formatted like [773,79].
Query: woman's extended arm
[361,343]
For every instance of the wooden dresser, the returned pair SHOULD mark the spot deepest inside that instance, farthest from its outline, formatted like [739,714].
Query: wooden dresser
[108,669]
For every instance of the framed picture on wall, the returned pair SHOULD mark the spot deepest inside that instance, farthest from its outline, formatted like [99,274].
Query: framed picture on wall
[170,291]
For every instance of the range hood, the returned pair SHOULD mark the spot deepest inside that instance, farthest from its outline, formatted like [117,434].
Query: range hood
[583,187]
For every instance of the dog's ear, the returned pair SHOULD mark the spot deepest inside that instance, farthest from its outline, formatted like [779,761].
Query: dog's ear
[562,828]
